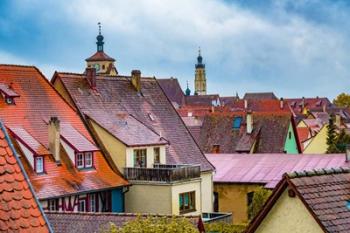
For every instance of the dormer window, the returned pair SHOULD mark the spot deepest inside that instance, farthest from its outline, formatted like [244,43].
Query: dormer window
[39,164]
[9,100]
[84,160]
[8,94]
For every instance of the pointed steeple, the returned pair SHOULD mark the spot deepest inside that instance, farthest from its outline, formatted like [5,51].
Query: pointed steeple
[188,91]
[99,39]
[199,59]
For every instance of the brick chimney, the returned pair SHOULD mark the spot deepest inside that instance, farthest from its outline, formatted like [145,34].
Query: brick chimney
[136,79]
[54,138]
[249,121]
[91,77]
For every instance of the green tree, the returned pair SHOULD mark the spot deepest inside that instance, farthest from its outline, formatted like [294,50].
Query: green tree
[223,227]
[260,197]
[342,100]
[154,225]
[343,139]
[331,136]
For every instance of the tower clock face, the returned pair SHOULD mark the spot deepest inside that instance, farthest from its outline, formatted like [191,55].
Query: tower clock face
[97,67]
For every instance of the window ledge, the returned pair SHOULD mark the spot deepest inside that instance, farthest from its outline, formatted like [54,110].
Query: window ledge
[187,211]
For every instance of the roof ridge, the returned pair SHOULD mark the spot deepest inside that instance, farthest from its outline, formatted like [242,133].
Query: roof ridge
[116,214]
[16,65]
[317,172]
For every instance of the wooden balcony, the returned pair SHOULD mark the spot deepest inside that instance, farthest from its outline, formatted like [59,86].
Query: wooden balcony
[166,173]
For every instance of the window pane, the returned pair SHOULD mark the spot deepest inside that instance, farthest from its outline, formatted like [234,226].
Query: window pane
[156,155]
[92,202]
[82,205]
[140,158]
[80,160]
[39,164]
[88,159]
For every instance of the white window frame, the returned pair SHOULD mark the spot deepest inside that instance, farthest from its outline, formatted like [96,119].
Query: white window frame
[36,161]
[82,165]
[86,155]
[51,205]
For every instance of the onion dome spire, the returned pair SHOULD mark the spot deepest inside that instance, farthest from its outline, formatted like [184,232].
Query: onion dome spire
[199,59]
[99,39]
[188,91]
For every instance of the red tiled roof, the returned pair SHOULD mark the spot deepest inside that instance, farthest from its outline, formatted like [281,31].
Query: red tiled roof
[116,94]
[25,138]
[95,222]
[38,102]
[75,139]
[19,208]
[325,194]
[268,169]
[100,56]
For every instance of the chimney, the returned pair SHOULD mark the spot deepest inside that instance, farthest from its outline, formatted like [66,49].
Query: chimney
[324,107]
[347,153]
[245,104]
[249,121]
[338,120]
[54,138]
[136,79]
[91,77]
[281,103]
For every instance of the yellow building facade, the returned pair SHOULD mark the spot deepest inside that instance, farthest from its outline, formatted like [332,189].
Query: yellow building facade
[233,198]
[289,214]
[317,144]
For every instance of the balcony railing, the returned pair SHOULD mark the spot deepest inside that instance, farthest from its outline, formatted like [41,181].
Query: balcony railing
[162,173]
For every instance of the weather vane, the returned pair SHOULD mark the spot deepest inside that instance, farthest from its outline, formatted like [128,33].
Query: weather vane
[99,27]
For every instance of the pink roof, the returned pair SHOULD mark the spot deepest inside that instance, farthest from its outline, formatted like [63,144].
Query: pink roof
[268,169]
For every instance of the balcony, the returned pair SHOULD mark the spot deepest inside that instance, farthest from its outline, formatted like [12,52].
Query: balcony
[166,173]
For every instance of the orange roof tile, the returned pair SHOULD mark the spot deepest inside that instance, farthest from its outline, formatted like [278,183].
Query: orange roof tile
[19,208]
[38,102]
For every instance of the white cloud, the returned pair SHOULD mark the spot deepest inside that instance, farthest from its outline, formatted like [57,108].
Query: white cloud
[279,51]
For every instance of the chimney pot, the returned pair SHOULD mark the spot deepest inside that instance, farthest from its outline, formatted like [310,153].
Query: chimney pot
[136,79]
[54,138]
[91,77]
[338,120]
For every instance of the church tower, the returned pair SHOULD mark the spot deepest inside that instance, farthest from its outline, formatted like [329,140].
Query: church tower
[103,63]
[200,81]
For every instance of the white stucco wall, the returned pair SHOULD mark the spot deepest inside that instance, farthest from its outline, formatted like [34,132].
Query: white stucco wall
[207,190]
[149,156]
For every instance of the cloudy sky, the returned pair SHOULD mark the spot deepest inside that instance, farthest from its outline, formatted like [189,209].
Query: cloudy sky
[293,48]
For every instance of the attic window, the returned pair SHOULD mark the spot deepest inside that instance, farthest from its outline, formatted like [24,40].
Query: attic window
[8,94]
[236,122]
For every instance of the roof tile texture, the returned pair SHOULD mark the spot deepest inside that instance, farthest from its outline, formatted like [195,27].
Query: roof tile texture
[116,94]
[38,102]
[327,196]
[19,211]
